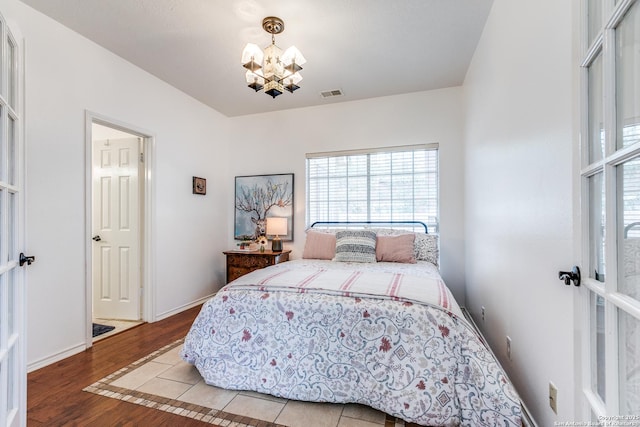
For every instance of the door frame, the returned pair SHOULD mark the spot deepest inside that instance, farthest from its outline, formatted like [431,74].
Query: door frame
[147,247]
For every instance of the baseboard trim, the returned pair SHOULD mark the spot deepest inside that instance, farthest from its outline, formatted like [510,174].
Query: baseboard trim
[527,419]
[55,357]
[182,308]
[45,361]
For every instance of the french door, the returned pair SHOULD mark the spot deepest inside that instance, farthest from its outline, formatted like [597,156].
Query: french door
[610,181]
[12,295]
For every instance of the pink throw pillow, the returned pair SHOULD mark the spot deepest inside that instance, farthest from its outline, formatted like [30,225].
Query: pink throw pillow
[397,248]
[319,245]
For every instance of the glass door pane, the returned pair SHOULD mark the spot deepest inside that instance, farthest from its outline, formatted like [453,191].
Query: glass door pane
[596,116]
[596,227]
[11,300]
[628,79]
[597,345]
[11,72]
[3,148]
[11,213]
[11,152]
[629,228]
[629,363]
[594,19]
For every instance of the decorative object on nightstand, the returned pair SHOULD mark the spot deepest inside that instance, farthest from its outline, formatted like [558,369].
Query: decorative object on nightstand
[240,263]
[276,226]
[262,241]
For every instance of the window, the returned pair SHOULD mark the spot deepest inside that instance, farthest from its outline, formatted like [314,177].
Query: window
[387,184]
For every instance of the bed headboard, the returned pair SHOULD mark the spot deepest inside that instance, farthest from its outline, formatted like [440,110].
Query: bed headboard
[629,227]
[401,225]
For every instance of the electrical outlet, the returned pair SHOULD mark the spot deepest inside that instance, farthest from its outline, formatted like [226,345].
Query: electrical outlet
[553,397]
[508,347]
[482,311]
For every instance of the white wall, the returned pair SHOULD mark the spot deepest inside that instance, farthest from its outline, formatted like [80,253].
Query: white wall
[417,118]
[66,75]
[518,204]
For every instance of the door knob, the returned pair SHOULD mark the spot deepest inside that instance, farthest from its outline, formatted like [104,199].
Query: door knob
[25,259]
[570,276]
[97,238]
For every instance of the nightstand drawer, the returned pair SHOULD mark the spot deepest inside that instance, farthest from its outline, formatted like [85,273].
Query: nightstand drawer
[250,262]
[240,263]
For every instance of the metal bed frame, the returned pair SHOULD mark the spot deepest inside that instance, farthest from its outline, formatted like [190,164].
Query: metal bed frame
[392,224]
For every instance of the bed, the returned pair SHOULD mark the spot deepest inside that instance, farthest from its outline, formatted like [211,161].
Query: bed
[340,326]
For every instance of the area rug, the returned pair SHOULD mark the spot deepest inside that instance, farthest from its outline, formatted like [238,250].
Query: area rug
[120,385]
[105,388]
[99,329]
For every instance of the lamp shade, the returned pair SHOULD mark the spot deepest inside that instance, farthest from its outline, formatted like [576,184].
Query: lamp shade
[293,56]
[252,57]
[254,78]
[255,81]
[294,78]
[277,226]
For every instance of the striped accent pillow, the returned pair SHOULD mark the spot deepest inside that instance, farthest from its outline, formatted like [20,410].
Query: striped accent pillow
[355,246]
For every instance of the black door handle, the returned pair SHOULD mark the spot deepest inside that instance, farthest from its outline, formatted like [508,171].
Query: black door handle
[26,259]
[97,238]
[570,276]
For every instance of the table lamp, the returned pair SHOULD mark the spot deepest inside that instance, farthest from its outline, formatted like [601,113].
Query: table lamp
[276,226]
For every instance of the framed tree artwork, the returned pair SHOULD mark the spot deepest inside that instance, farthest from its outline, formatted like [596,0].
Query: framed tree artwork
[258,197]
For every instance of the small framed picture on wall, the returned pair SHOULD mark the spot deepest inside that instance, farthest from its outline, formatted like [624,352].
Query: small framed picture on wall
[199,185]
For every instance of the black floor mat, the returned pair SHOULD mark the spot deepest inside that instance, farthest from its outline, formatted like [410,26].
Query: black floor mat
[101,329]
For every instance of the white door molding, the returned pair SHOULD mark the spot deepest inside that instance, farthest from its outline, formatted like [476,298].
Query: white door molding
[148,224]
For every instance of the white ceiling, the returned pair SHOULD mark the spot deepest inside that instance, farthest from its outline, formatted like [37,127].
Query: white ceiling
[366,48]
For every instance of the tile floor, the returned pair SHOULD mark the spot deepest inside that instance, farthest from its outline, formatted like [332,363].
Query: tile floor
[121,325]
[169,376]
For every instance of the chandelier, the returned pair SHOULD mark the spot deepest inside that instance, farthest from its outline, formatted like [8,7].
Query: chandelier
[272,69]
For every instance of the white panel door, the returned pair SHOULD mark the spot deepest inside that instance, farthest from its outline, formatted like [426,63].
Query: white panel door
[116,229]
[610,194]
[13,370]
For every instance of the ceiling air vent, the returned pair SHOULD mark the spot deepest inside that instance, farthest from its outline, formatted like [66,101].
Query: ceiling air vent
[331,93]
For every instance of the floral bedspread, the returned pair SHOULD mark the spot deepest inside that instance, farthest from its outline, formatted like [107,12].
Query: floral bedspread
[413,359]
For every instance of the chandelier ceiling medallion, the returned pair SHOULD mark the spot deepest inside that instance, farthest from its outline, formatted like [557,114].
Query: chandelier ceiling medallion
[272,69]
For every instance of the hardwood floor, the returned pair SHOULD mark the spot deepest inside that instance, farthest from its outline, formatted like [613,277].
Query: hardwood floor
[55,396]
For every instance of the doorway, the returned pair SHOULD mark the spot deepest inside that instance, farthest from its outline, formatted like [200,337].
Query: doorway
[117,215]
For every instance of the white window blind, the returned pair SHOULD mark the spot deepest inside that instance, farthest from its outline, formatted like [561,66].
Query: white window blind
[395,184]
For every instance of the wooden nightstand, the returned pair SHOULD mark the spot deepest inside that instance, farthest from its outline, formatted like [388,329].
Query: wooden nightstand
[240,263]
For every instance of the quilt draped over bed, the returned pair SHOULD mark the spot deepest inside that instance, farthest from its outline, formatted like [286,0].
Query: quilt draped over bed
[389,340]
